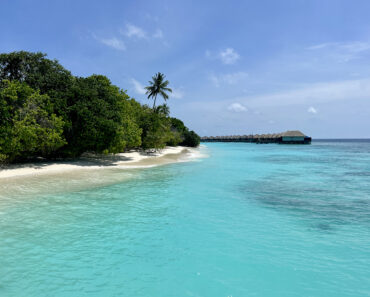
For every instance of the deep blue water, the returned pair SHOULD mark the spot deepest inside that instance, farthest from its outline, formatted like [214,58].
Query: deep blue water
[249,220]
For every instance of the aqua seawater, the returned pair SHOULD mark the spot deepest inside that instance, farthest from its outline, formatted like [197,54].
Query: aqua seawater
[248,220]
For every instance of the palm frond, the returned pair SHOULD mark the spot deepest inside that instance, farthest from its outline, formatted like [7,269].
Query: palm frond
[158,86]
[164,95]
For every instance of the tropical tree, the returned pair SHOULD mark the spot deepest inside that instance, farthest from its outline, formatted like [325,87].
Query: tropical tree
[101,118]
[163,109]
[47,112]
[28,126]
[158,86]
[40,73]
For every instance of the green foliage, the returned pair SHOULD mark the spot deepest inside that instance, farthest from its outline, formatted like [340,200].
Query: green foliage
[40,73]
[188,138]
[191,139]
[47,112]
[178,125]
[155,127]
[28,126]
[100,118]
[162,109]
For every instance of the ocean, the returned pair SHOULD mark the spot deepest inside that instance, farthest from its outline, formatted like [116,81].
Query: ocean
[247,220]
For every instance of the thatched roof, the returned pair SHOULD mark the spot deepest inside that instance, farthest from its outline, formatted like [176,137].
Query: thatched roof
[295,133]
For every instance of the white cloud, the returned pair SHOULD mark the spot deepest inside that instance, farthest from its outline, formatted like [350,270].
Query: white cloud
[138,87]
[176,93]
[342,51]
[113,42]
[228,78]
[237,107]
[151,17]
[134,31]
[355,47]
[158,34]
[319,46]
[229,56]
[312,109]
[314,93]
[343,93]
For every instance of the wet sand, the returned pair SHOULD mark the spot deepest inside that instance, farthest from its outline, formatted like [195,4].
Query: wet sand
[88,172]
[88,162]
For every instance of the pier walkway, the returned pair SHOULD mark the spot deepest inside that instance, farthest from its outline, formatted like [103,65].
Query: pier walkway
[288,137]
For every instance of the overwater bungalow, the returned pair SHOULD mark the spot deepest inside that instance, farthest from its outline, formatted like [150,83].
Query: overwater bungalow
[294,137]
[288,137]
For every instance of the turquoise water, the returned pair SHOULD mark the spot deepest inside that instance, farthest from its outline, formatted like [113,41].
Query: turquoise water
[249,220]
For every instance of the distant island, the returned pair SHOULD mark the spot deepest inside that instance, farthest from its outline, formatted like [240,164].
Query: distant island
[47,112]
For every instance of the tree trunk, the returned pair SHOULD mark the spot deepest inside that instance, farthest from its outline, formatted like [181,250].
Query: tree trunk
[155,98]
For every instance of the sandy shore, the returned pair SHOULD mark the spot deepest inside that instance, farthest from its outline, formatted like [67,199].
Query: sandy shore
[123,160]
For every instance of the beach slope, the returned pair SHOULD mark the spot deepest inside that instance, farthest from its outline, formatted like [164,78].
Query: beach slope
[133,159]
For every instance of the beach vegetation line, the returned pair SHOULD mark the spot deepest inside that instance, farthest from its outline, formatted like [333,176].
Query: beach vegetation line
[45,111]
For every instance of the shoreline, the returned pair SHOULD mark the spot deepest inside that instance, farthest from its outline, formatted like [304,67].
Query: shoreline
[129,160]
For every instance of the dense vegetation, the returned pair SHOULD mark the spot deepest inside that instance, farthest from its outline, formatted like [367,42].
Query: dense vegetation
[47,112]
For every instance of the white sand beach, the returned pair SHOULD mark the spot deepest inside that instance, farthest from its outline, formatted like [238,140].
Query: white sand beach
[128,160]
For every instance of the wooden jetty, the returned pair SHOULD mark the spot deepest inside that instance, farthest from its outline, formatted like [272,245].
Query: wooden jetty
[288,137]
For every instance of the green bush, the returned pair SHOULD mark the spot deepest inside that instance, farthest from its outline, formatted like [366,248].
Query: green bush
[28,127]
[185,137]
[191,139]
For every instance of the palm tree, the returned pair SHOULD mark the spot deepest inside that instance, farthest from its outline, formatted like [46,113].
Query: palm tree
[158,86]
[163,109]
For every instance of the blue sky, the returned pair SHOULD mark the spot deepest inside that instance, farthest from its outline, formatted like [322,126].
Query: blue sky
[236,67]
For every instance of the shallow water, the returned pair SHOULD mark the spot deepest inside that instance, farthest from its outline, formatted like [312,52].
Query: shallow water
[250,220]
